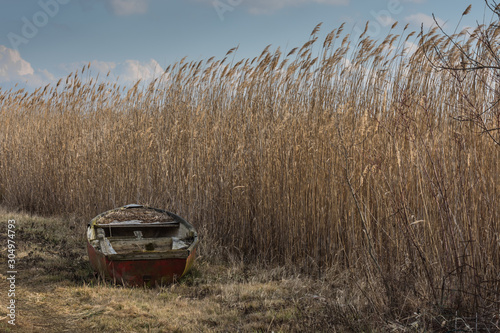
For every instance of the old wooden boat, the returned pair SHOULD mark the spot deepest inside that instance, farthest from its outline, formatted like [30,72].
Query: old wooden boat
[137,245]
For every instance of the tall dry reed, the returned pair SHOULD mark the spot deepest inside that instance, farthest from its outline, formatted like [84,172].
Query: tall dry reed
[340,153]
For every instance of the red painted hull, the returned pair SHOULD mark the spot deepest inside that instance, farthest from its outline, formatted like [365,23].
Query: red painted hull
[151,272]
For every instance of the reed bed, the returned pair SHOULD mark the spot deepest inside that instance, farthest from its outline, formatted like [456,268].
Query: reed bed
[340,154]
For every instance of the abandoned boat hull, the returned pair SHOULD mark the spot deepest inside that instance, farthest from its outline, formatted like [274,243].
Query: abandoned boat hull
[118,251]
[140,272]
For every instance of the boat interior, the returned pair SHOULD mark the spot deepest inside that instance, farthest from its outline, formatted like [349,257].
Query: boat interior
[132,237]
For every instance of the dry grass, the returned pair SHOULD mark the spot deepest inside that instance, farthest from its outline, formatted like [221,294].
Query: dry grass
[56,292]
[310,162]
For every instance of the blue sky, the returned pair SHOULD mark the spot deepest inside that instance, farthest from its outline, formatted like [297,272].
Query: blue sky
[43,40]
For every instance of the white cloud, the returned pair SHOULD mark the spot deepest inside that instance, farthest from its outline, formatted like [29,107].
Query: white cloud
[426,20]
[133,70]
[102,67]
[267,6]
[96,66]
[127,7]
[12,65]
[128,71]
[13,69]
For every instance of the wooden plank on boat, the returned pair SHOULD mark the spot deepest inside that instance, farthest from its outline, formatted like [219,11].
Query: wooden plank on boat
[172,254]
[106,246]
[138,225]
[145,244]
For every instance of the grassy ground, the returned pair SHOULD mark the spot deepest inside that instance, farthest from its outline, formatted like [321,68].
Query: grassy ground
[57,292]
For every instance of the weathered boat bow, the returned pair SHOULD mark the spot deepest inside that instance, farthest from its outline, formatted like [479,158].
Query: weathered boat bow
[136,245]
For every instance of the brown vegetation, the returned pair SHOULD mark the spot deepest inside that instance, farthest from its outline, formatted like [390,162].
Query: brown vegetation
[313,163]
[143,215]
[56,292]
